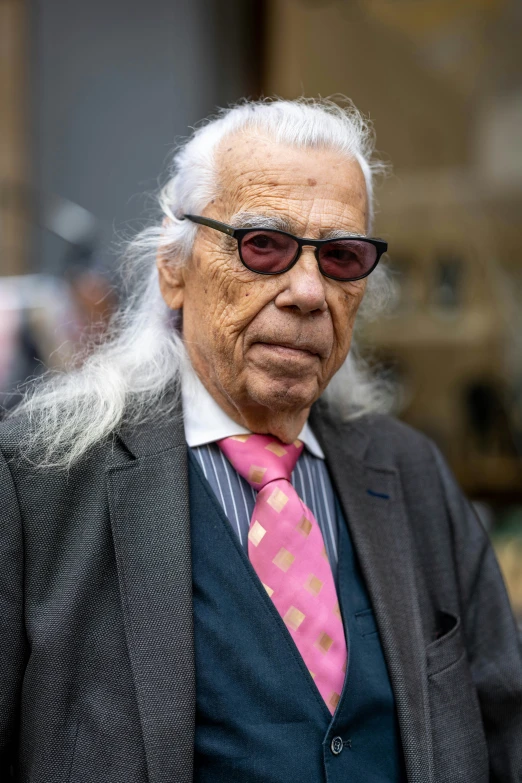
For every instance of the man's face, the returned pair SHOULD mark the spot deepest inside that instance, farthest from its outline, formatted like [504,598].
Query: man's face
[259,343]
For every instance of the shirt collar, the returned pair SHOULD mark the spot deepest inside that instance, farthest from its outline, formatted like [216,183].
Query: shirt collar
[205,422]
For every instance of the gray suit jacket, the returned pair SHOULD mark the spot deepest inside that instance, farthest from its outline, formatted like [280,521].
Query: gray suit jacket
[96,637]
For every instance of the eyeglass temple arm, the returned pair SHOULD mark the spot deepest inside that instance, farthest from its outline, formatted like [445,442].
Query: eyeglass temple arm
[231,231]
[212,224]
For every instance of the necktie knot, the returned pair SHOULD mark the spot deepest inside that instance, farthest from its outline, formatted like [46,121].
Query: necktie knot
[261,459]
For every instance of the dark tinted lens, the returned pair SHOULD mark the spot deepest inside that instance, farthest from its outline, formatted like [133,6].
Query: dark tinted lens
[347,258]
[268,251]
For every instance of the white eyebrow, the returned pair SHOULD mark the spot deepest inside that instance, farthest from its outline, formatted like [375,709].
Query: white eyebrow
[280,223]
[339,233]
[258,220]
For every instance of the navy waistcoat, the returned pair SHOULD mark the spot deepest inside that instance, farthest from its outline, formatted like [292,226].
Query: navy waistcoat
[259,715]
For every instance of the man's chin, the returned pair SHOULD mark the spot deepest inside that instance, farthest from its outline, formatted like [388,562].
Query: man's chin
[282,395]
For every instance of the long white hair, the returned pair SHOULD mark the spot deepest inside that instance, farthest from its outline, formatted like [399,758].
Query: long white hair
[134,375]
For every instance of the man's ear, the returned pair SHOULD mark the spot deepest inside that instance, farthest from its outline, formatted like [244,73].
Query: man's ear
[171,281]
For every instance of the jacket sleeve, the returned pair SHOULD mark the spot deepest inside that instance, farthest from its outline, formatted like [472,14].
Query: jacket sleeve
[13,643]
[493,642]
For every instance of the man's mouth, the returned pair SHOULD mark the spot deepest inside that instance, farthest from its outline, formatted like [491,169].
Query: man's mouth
[290,349]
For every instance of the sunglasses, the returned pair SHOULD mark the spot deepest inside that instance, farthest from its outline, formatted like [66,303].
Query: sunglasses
[271,252]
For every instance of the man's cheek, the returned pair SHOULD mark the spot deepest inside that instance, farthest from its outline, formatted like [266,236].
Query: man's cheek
[345,312]
[238,311]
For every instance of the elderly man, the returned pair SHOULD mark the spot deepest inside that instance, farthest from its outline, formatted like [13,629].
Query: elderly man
[281,584]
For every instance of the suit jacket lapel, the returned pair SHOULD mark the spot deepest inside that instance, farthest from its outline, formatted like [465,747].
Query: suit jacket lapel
[148,499]
[372,502]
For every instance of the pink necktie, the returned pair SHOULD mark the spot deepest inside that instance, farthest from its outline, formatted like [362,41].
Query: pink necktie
[287,551]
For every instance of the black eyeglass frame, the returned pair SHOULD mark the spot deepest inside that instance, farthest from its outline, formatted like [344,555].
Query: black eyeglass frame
[238,233]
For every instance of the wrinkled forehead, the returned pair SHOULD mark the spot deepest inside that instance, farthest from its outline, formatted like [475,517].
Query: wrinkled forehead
[255,173]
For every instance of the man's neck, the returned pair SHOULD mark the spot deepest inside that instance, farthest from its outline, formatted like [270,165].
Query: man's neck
[206,422]
[285,425]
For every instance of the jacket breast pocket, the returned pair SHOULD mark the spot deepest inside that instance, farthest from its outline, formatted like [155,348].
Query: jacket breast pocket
[459,744]
[448,647]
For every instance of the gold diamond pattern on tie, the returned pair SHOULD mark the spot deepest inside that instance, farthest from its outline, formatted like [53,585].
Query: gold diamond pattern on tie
[313,585]
[305,527]
[276,449]
[297,444]
[256,473]
[256,533]
[337,611]
[324,642]
[268,589]
[283,559]
[293,618]
[277,500]
[334,700]
[312,674]
[240,438]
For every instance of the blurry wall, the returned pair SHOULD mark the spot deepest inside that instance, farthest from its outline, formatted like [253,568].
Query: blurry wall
[14,134]
[113,84]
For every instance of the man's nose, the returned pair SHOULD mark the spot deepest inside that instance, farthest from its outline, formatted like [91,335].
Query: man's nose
[305,285]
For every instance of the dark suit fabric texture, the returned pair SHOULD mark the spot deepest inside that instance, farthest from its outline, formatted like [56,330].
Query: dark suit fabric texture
[97,674]
[261,719]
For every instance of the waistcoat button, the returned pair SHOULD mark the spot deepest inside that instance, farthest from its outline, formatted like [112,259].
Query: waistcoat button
[336,746]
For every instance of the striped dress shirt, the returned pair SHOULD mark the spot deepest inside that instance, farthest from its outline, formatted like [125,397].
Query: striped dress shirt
[205,423]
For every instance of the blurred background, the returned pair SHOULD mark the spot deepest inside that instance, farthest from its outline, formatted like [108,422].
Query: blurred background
[93,96]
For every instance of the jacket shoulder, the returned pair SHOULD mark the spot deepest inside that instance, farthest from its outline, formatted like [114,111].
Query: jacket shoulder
[378,439]
[24,457]
[13,432]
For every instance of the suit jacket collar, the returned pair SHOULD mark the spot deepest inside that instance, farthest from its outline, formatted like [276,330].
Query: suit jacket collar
[150,518]
[155,435]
